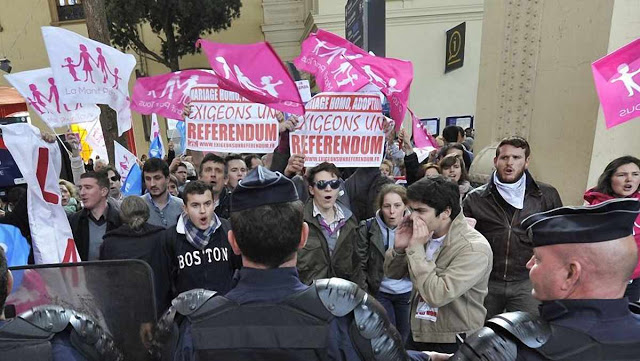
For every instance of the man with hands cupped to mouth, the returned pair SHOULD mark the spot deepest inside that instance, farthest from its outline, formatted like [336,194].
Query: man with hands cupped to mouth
[448,262]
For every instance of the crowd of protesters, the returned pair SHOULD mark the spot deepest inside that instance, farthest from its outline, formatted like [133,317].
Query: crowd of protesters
[471,266]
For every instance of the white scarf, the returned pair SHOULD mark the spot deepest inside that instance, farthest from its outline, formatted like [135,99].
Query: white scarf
[513,193]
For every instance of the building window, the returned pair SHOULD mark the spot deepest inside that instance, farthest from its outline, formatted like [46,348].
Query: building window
[66,11]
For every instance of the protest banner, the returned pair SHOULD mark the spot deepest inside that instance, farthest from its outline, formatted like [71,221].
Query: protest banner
[40,162]
[39,88]
[342,128]
[618,84]
[339,65]
[224,121]
[90,72]
[167,94]
[124,160]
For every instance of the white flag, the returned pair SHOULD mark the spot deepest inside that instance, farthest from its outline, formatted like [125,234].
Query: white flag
[89,72]
[124,159]
[39,88]
[95,139]
[155,133]
[40,162]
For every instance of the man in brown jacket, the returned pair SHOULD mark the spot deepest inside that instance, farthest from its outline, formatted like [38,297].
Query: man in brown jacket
[449,264]
[510,196]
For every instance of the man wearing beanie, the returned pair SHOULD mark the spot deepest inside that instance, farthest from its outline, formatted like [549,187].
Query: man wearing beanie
[581,263]
[270,314]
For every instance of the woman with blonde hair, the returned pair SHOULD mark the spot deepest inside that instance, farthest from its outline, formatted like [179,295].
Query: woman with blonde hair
[69,197]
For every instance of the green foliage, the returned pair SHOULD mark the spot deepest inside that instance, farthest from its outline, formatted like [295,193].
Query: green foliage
[178,24]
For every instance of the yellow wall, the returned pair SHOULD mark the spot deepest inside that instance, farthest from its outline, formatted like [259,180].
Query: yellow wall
[21,43]
[623,139]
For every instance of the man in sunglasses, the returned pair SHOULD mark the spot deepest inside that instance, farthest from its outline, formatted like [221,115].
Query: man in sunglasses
[331,249]
[114,185]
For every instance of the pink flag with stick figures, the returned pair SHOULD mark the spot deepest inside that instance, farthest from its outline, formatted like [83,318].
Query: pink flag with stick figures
[167,94]
[89,72]
[617,78]
[39,88]
[256,72]
[342,66]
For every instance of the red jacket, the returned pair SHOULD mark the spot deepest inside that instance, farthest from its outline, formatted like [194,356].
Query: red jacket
[595,197]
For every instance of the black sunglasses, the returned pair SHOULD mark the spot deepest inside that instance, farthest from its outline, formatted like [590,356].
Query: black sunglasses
[334,184]
[115,178]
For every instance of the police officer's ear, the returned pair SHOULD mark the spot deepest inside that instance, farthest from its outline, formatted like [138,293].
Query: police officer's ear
[304,235]
[234,243]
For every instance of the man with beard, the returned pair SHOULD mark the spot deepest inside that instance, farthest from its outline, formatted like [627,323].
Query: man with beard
[510,196]
[212,171]
[164,208]
[114,185]
[197,249]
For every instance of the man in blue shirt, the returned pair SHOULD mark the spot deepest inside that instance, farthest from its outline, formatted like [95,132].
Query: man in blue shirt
[164,209]
[270,314]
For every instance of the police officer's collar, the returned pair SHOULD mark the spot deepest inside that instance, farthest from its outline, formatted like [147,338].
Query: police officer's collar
[268,278]
[603,308]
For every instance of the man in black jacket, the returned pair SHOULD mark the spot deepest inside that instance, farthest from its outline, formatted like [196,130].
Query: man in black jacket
[510,196]
[197,250]
[96,218]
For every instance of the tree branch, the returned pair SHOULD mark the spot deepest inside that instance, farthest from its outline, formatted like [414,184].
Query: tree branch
[143,49]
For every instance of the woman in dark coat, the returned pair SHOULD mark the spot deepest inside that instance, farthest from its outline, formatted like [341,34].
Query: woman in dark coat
[137,239]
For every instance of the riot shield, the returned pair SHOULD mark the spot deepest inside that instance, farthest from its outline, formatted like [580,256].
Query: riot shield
[118,295]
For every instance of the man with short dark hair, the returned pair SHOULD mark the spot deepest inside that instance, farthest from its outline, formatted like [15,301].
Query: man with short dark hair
[98,215]
[181,175]
[197,249]
[164,209]
[252,161]
[212,171]
[235,169]
[510,196]
[449,264]
[582,260]
[453,134]
[270,314]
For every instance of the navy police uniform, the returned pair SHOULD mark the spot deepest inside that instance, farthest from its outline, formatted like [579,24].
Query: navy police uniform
[54,333]
[271,315]
[570,329]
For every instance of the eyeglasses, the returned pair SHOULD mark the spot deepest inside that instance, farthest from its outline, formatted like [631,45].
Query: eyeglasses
[334,184]
[115,178]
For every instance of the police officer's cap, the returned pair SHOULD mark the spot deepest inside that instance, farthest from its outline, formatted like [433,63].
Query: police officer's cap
[260,187]
[606,221]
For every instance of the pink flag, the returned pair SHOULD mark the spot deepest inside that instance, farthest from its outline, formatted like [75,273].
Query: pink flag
[339,65]
[617,78]
[167,94]
[254,71]
[327,61]
[421,137]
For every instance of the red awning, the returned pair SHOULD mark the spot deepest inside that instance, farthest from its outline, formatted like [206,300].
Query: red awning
[11,101]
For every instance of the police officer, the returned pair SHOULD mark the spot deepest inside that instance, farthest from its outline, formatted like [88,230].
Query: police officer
[50,332]
[270,314]
[583,259]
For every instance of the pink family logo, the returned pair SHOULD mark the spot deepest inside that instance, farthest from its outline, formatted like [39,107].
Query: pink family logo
[42,104]
[174,85]
[87,63]
[268,85]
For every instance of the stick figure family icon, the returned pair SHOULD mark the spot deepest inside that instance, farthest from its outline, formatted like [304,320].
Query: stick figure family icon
[87,62]
[343,74]
[41,103]
[626,78]
[174,85]
[268,86]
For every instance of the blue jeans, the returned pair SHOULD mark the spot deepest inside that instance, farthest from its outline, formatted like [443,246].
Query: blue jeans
[398,309]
